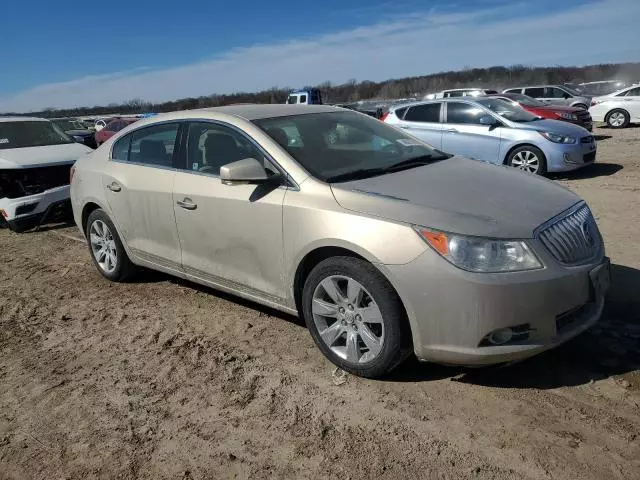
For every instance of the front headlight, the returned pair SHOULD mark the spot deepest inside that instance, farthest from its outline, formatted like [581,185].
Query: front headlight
[482,255]
[557,138]
[566,115]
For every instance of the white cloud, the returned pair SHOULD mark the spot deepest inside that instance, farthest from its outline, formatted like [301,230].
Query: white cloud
[414,44]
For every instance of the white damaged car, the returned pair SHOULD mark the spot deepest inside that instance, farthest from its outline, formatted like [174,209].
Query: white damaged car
[35,162]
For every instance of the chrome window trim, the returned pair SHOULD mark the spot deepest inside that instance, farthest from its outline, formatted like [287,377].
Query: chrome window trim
[293,185]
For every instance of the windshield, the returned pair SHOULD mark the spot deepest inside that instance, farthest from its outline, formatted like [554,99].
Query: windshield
[507,110]
[524,100]
[70,124]
[342,146]
[33,133]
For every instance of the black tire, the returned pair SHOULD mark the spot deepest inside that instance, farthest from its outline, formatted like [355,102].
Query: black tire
[396,345]
[124,269]
[614,114]
[581,105]
[542,160]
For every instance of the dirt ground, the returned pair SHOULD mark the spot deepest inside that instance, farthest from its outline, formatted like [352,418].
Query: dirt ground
[161,378]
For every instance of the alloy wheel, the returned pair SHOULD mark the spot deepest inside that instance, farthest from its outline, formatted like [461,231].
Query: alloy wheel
[617,119]
[103,246]
[348,319]
[527,161]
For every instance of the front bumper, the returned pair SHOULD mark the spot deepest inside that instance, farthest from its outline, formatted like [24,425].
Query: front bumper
[27,212]
[452,311]
[564,158]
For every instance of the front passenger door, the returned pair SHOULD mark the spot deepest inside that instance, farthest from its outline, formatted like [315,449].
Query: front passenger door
[463,134]
[231,235]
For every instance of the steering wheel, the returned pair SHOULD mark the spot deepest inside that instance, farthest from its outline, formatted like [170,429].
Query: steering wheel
[206,169]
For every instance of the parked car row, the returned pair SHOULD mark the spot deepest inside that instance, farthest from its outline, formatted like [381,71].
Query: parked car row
[383,243]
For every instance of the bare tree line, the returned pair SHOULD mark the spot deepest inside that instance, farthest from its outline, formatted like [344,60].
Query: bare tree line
[353,91]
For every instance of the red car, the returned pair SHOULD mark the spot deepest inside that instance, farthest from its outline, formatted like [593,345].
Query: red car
[113,126]
[577,116]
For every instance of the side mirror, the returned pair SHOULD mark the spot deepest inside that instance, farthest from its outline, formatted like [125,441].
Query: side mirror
[488,120]
[248,170]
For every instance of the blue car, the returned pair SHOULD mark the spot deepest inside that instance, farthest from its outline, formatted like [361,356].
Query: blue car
[495,131]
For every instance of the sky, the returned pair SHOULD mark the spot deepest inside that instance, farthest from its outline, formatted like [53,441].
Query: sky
[56,55]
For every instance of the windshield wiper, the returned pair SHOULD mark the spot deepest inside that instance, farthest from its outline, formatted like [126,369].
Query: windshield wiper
[415,162]
[372,172]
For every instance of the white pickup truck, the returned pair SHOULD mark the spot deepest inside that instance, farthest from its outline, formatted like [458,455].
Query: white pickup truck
[35,162]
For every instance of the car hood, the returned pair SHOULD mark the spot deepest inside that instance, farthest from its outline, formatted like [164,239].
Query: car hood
[30,157]
[459,195]
[555,126]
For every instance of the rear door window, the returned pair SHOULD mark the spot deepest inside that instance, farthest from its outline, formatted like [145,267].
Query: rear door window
[535,92]
[423,113]
[154,145]
[634,92]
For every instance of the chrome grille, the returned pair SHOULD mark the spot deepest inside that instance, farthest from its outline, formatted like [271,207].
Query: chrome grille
[573,238]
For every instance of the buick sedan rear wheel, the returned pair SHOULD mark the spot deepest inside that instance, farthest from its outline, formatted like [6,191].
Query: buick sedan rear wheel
[107,251]
[355,316]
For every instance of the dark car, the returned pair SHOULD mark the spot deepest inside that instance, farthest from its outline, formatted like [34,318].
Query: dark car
[575,115]
[112,127]
[77,130]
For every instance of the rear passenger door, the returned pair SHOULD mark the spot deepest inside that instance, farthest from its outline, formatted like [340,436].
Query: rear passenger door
[535,92]
[138,182]
[463,134]
[424,122]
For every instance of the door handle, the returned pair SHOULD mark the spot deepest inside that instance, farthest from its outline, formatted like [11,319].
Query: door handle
[451,130]
[404,127]
[187,204]
[114,187]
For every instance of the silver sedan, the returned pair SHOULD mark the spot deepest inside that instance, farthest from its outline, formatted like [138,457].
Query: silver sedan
[383,244]
[493,130]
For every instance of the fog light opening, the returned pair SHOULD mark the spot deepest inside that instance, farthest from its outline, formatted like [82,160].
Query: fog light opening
[500,337]
[507,335]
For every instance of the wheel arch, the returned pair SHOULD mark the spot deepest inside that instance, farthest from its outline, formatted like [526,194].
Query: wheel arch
[321,253]
[88,207]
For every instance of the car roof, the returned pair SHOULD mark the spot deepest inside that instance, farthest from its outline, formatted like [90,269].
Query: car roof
[260,111]
[465,89]
[440,100]
[22,119]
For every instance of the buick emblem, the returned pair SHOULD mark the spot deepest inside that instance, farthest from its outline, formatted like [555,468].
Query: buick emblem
[588,234]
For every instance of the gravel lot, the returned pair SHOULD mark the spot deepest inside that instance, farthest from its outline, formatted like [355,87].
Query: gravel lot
[165,379]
